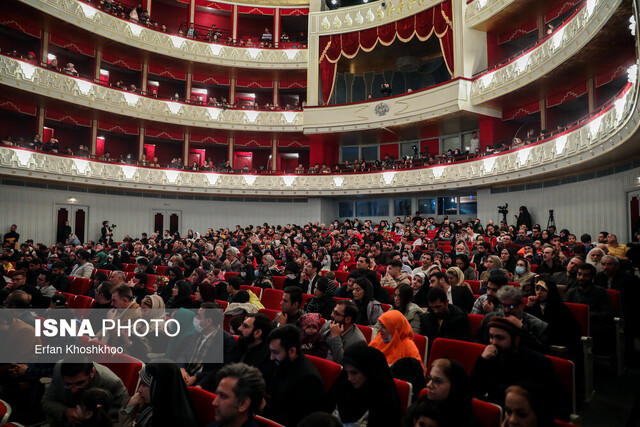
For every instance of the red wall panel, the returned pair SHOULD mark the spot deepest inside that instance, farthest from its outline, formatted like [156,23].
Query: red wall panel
[118,128]
[223,22]
[76,44]
[170,15]
[68,118]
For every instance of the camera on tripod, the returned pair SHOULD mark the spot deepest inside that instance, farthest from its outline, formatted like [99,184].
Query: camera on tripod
[504,210]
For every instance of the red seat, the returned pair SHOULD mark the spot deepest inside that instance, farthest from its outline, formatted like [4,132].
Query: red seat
[533,267]
[385,307]
[130,275]
[329,371]
[81,302]
[278,282]
[581,314]
[279,262]
[269,312]
[475,320]
[475,285]
[305,298]
[422,343]
[463,352]
[5,412]
[390,291]
[222,303]
[130,268]
[203,404]
[271,298]
[127,368]
[151,280]
[366,331]
[566,372]
[615,302]
[489,414]
[404,392]
[255,289]
[70,297]
[515,284]
[161,269]
[264,422]
[105,272]
[230,274]
[560,423]
[341,276]
[80,286]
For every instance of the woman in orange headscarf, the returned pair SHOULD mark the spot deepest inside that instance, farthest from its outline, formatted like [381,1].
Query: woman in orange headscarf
[395,339]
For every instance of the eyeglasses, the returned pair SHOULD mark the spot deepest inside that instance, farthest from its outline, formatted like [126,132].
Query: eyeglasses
[78,384]
[510,306]
[435,380]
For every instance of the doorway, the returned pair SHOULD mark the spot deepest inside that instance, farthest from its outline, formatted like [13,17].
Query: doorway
[166,220]
[78,217]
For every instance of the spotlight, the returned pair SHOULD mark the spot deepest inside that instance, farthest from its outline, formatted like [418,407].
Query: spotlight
[332,4]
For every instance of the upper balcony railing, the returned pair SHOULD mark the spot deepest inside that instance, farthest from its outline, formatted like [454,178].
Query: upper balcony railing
[38,80]
[566,41]
[606,130]
[139,36]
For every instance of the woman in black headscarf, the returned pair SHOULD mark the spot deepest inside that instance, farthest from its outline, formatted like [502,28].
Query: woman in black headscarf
[368,308]
[366,393]
[448,386]
[162,398]
[524,218]
[322,301]
[181,295]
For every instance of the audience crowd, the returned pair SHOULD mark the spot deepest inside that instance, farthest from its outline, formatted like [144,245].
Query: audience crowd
[355,293]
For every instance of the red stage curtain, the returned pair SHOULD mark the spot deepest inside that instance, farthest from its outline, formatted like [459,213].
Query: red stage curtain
[406,28]
[368,39]
[387,33]
[350,44]
[438,19]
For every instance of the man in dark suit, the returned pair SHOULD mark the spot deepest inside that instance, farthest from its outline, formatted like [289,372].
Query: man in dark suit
[294,386]
[460,296]
[312,276]
[444,320]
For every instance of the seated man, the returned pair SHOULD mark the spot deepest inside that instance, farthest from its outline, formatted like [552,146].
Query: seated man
[290,307]
[456,295]
[251,347]
[69,381]
[444,320]
[534,332]
[341,333]
[601,326]
[506,361]
[294,386]
[489,302]
[395,276]
[240,393]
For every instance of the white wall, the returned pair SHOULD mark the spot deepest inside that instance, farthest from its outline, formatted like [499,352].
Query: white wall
[32,209]
[590,206]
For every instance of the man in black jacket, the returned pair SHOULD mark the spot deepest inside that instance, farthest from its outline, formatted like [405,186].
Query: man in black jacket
[444,320]
[294,386]
[252,347]
[456,295]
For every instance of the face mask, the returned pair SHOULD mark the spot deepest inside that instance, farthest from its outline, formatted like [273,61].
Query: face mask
[388,340]
[291,276]
[459,253]
[255,273]
[243,274]
[520,270]
[196,324]
[405,260]
[169,264]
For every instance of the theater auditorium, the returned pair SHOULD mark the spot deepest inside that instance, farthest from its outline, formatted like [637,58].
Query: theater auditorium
[333,212]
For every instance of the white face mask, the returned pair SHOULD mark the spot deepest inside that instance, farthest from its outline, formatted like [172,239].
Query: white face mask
[196,324]
[243,274]
[169,264]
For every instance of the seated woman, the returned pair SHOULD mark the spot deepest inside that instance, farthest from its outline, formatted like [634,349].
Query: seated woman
[564,329]
[369,310]
[348,263]
[455,277]
[322,301]
[524,276]
[508,260]
[152,307]
[162,398]
[491,262]
[180,295]
[419,290]
[366,394]
[527,405]
[395,339]
[346,290]
[463,263]
[402,296]
[448,387]
[206,292]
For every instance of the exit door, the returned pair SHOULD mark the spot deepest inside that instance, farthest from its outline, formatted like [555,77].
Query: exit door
[166,220]
[78,217]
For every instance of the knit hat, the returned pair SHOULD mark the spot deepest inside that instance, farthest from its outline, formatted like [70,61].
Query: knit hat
[506,325]
[310,319]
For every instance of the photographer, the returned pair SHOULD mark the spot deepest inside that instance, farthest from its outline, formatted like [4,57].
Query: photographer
[385,89]
[106,232]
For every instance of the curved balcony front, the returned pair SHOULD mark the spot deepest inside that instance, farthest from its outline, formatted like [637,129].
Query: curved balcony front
[603,136]
[137,36]
[430,103]
[486,15]
[24,76]
[567,41]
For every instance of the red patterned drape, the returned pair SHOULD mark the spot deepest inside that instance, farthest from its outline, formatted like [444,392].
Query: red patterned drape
[438,19]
